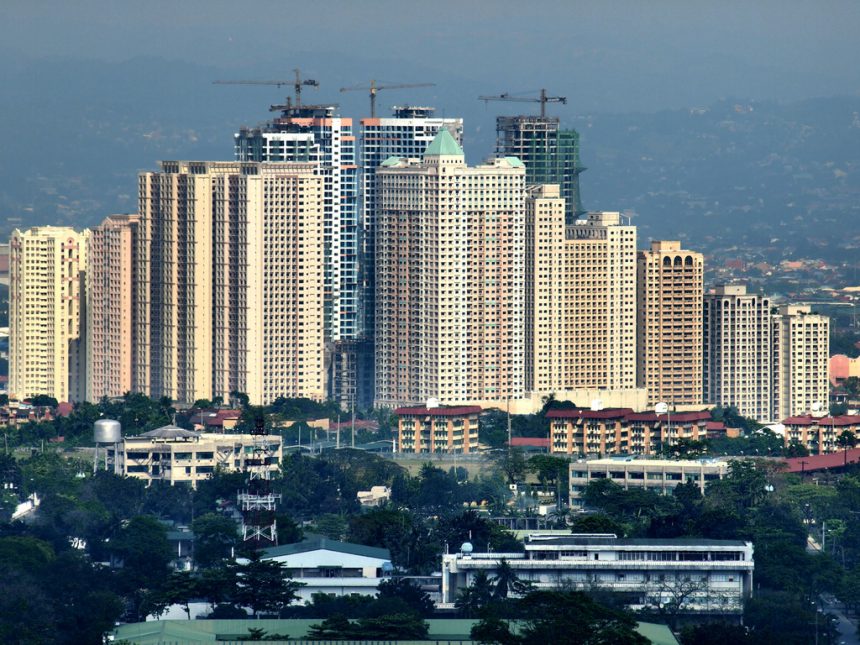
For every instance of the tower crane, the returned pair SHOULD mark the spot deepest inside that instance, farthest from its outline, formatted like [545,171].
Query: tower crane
[374,88]
[297,84]
[543,100]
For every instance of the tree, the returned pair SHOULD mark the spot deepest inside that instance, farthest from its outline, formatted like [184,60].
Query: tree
[476,596]
[264,585]
[144,550]
[214,537]
[846,440]
[409,593]
[506,581]
[43,401]
[715,634]
[512,463]
[180,588]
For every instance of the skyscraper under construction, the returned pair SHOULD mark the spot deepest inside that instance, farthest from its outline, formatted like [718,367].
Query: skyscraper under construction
[551,155]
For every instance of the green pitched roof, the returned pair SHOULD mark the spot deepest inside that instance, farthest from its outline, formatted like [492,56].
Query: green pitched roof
[391,161]
[444,144]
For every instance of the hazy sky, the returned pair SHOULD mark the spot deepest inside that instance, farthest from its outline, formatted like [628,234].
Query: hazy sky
[604,55]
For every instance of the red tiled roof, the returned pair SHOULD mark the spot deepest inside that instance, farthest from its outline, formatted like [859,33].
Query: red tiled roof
[64,409]
[580,413]
[530,442]
[820,462]
[438,412]
[715,425]
[807,420]
[360,424]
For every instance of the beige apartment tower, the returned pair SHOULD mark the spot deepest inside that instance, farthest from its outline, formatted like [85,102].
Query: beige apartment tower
[449,278]
[580,313]
[800,360]
[669,329]
[738,351]
[46,316]
[228,293]
[110,307]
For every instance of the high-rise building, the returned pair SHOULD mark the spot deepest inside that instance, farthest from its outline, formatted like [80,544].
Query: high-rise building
[738,351]
[580,312]
[47,313]
[313,134]
[110,307]
[800,360]
[550,154]
[449,278]
[669,341]
[229,277]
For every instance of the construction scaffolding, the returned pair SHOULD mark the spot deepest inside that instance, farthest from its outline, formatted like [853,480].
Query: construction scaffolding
[551,155]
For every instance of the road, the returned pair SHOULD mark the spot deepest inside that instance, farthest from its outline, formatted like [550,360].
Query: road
[847,628]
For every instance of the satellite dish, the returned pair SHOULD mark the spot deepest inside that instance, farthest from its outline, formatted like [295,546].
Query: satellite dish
[432,402]
[661,408]
[816,406]
[596,404]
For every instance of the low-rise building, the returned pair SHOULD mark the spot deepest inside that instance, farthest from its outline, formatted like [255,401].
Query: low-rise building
[176,455]
[658,475]
[622,431]
[820,435]
[376,496]
[438,429]
[332,567]
[688,575]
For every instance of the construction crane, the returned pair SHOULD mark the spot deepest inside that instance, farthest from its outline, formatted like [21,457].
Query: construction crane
[374,88]
[543,100]
[297,84]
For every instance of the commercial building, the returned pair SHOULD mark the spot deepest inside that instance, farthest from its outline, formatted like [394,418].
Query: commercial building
[800,361]
[331,567]
[622,431]
[47,316]
[438,429]
[658,475]
[228,291]
[669,329]
[738,351]
[694,576]
[110,307]
[177,456]
[550,154]
[449,278]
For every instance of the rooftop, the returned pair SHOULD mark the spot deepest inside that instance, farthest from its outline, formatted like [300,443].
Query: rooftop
[320,542]
[440,411]
[443,144]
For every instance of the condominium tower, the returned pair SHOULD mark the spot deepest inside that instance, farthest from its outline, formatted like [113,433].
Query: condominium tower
[313,134]
[449,278]
[229,281]
[800,360]
[110,307]
[580,325]
[738,351]
[669,314]
[46,316]
[550,154]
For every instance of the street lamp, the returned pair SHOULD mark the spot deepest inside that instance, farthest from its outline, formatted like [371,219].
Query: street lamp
[663,408]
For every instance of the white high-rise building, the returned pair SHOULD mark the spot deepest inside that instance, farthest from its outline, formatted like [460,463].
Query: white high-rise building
[229,281]
[313,134]
[738,351]
[800,360]
[47,313]
[449,278]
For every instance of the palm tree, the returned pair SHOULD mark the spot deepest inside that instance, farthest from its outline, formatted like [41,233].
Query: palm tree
[506,581]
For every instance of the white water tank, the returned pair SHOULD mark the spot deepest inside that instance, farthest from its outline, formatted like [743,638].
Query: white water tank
[107,431]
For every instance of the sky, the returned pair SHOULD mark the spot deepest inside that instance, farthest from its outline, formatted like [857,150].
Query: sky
[607,56]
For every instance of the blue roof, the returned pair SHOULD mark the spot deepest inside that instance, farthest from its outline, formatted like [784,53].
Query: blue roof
[318,542]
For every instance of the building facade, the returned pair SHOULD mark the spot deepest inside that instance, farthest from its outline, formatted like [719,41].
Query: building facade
[658,475]
[738,351]
[229,288]
[800,361]
[449,278]
[695,576]
[431,430]
[621,431]
[110,307]
[550,154]
[177,456]
[669,329]
[820,435]
[47,313]
[315,135]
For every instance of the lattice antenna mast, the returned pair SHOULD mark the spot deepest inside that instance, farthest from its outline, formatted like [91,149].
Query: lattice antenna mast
[257,502]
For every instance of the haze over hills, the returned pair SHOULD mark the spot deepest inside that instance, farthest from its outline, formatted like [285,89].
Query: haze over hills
[779,175]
